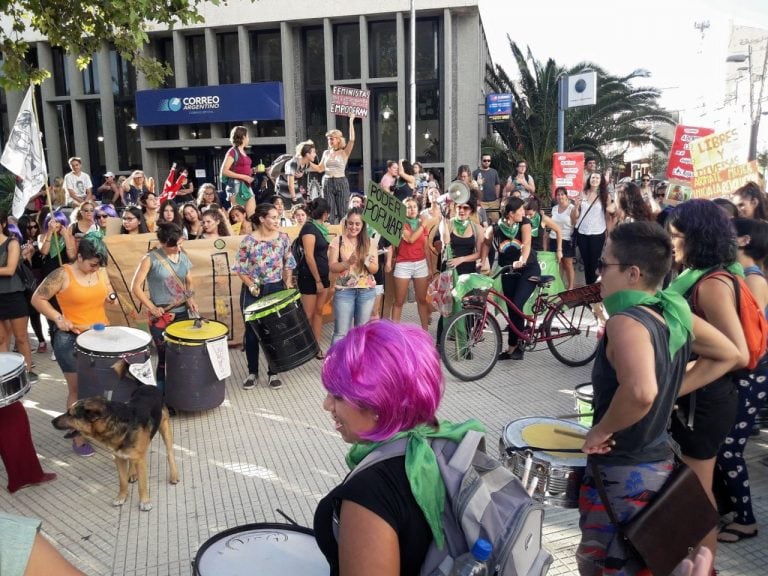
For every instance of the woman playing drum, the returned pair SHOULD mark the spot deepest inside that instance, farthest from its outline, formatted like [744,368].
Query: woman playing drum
[81,290]
[171,294]
[265,265]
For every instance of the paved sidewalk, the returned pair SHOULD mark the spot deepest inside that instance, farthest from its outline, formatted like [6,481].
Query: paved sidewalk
[267,449]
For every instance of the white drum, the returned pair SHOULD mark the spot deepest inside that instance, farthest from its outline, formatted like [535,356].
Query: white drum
[263,550]
[103,357]
[14,383]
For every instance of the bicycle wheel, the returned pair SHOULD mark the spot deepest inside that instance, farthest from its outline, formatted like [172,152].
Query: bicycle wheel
[574,333]
[470,346]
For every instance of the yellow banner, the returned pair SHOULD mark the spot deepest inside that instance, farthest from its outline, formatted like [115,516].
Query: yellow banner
[718,165]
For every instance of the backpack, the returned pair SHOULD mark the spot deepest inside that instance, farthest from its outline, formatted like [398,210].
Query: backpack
[483,500]
[278,166]
[225,179]
[752,318]
[297,249]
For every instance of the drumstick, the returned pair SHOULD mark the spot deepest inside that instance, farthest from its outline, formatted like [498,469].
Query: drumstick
[569,433]
[527,470]
[572,416]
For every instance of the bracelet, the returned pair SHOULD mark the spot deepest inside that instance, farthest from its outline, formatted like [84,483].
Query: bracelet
[189,293]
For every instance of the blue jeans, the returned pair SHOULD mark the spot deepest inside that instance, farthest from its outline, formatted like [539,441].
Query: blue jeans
[159,341]
[251,343]
[351,306]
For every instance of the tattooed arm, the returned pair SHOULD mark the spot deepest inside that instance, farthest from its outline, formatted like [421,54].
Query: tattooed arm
[55,282]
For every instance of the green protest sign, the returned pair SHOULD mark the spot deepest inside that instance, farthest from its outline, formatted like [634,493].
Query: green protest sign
[384,213]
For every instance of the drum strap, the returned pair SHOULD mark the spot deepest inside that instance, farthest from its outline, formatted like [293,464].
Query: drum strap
[163,259]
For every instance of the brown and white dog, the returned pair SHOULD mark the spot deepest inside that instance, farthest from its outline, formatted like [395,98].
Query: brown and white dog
[126,430]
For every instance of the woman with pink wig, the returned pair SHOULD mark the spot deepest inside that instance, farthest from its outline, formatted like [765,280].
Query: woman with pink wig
[388,513]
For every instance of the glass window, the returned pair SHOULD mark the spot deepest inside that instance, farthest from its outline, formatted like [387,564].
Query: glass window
[66,132]
[60,72]
[91,76]
[229,58]
[266,56]
[164,53]
[427,48]
[128,139]
[197,67]
[383,118]
[97,165]
[314,58]
[429,146]
[165,132]
[123,76]
[346,51]
[382,49]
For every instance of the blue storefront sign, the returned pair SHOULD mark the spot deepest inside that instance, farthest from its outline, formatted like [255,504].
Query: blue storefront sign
[498,107]
[225,103]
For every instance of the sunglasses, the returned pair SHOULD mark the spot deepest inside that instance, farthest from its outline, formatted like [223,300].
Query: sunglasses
[30,226]
[102,215]
[463,207]
[602,264]
[486,160]
[645,180]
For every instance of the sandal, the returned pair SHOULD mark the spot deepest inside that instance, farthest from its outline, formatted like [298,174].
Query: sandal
[320,355]
[734,535]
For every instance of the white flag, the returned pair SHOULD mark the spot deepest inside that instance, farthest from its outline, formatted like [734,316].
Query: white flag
[23,156]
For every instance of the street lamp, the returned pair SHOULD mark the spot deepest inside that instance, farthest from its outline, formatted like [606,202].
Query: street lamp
[754,107]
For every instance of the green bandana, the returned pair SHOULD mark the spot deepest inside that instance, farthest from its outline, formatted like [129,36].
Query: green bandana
[509,231]
[323,230]
[683,283]
[96,239]
[674,308]
[57,246]
[413,223]
[421,466]
[535,225]
[460,225]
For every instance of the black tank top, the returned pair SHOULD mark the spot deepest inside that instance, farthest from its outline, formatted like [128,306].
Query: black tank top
[464,247]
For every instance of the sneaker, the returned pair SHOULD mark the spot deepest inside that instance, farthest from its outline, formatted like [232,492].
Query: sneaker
[274,382]
[42,348]
[32,377]
[516,354]
[85,450]
[53,355]
[249,382]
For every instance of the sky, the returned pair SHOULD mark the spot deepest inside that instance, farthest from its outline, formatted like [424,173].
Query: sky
[656,35]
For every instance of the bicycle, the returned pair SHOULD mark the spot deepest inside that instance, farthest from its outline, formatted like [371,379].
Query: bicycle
[471,341]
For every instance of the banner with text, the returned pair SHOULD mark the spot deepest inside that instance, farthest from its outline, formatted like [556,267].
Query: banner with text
[568,172]
[347,101]
[718,164]
[384,213]
[680,165]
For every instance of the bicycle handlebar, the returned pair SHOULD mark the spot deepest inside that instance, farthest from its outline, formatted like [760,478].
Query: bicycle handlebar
[508,269]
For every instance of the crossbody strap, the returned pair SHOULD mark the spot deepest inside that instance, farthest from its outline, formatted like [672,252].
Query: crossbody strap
[576,228]
[604,495]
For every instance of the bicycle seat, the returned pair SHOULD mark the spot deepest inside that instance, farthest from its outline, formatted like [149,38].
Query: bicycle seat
[542,280]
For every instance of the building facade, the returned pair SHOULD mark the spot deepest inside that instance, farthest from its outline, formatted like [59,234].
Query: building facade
[305,48]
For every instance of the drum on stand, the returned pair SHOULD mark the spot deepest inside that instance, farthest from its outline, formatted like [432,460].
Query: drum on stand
[585,403]
[559,474]
[14,383]
[263,549]
[102,359]
[196,364]
[284,331]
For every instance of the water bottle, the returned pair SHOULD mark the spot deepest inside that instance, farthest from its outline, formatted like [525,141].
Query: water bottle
[473,563]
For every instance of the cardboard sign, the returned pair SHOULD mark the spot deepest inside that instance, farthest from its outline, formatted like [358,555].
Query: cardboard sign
[384,213]
[718,165]
[347,101]
[680,165]
[568,172]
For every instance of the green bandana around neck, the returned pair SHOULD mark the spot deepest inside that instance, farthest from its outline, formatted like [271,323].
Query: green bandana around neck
[460,225]
[323,230]
[686,280]
[674,308]
[421,466]
[535,225]
[509,231]
[413,223]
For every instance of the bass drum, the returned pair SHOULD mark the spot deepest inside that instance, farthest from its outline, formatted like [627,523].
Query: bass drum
[14,383]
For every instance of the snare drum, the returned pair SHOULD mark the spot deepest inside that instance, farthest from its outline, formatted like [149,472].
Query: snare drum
[102,359]
[196,364]
[284,331]
[264,549]
[584,403]
[559,473]
[13,378]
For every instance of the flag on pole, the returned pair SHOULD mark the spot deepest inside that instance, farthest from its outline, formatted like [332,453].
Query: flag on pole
[171,186]
[23,156]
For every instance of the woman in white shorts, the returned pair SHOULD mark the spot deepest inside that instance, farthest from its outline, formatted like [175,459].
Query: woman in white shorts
[411,264]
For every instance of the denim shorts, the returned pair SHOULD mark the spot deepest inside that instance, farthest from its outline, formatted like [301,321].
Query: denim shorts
[64,348]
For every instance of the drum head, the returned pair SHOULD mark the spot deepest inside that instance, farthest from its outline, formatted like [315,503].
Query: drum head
[185,330]
[266,549]
[113,340]
[271,304]
[541,432]
[11,364]
[584,392]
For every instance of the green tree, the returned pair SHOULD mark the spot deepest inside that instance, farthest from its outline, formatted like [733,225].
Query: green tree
[624,115]
[762,160]
[80,28]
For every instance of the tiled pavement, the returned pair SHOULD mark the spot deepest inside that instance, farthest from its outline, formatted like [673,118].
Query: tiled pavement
[267,449]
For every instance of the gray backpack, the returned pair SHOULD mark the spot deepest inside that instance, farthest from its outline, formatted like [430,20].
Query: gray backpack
[484,500]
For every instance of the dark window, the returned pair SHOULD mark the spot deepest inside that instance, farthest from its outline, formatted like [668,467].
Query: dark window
[229,58]
[60,72]
[165,132]
[429,145]
[382,49]
[123,76]
[4,125]
[346,51]
[427,48]
[197,71]
[197,131]
[164,53]
[384,134]
[314,86]
[91,76]
[128,139]
[266,56]
[97,165]
[66,133]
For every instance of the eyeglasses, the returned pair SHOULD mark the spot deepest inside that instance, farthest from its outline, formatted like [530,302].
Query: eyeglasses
[486,160]
[659,195]
[129,218]
[601,264]
[32,227]
[102,215]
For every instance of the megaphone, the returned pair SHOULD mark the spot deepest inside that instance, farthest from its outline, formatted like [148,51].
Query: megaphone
[458,192]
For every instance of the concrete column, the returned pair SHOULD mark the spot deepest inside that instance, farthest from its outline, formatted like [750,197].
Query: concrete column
[448,97]
[244,45]
[50,123]
[107,100]
[329,77]
[402,83]
[364,76]
[212,61]
[180,67]
[290,96]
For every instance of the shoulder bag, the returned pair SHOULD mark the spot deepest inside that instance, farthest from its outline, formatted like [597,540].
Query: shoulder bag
[575,234]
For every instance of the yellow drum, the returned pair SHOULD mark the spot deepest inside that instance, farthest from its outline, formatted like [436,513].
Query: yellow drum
[196,364]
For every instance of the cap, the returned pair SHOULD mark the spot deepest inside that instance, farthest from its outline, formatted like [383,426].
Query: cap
[109,175]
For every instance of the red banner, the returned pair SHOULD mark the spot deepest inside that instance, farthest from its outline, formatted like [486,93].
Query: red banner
[680,165]
[568,172]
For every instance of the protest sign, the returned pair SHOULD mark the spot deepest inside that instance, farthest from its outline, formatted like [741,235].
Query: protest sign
[568,172]
[680,165]
[347,101]
[384,213]
[718,165]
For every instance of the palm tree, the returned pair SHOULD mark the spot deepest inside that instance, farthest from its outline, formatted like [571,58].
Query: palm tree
[623,115]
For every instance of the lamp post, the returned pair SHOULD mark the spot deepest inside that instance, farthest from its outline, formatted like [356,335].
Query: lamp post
[754,105]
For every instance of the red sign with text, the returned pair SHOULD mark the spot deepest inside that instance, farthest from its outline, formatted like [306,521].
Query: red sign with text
[568,172]
[680,165]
